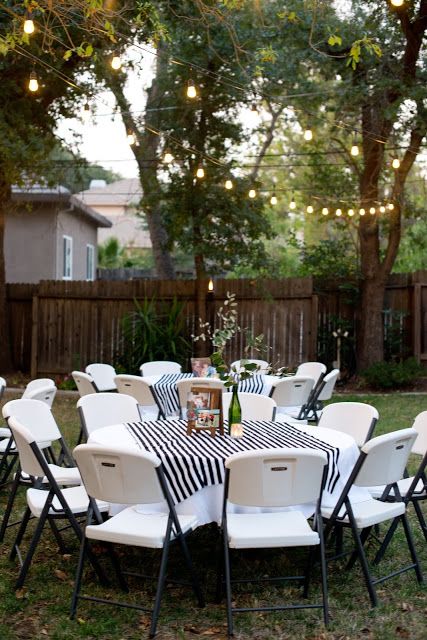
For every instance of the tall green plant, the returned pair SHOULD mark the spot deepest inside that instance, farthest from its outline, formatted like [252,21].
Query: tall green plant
[154,332]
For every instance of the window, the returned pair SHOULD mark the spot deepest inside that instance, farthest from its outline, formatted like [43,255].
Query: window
[67,264]
[90,262]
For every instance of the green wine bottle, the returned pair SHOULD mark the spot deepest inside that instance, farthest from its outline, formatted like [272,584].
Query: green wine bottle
[235,415]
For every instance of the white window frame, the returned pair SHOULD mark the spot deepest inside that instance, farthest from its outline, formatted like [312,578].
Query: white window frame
[90,262]
[67,257]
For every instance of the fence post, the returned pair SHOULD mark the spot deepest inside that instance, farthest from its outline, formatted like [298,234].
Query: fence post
[34,336]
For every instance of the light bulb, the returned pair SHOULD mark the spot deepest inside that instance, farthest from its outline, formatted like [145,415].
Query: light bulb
[131,138]
[28,26]
[382,209]
[362,212]
[273,199]
[116,63]
[390,206]
[338,213]
[308,134]
[372,211]
[292,204]
[252,193]
[395,163]
[325,211]
[228,184]
[354,151]
[33,84]
[397,3]
[210,285]
[350,212]
[310,209]
[86,112]
[191,89]
[168,157]
[200,173]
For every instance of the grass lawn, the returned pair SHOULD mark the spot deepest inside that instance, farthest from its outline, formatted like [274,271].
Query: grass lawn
[41,608]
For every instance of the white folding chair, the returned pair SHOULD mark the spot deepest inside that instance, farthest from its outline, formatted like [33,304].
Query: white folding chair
[159,367]
[37,417]
[103,375]
[315,370]
[290,394]
[131,477]
[43,389]
[262,366]
[46,505]
[321,392]
[184,387]
[2,387]
[143,393]
[103,409]
[274,478]
[85,383]
[381,461]
[254,406]
[356,419]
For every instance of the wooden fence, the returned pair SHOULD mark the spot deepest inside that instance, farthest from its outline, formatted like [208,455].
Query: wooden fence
[60,326]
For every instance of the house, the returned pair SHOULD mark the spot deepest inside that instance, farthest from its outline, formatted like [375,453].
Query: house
[118,202]
[50,235]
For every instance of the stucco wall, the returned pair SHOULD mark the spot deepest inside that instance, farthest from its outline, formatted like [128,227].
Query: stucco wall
[83,232]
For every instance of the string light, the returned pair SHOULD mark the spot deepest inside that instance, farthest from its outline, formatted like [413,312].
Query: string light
[200,173]
[362,211]
[325,211]
[273,199]
[350,213]
[191,89]
[86,112]
[372,211]
[395,163]
[292,204]
[354,151]
[308,135]
[33,83]
[28,25]
[397,3]
[310,209]
[252,193]
[116,63]
[228,184]
[168,157]
[390,206]
[130,137]
[338,213]
[210,285]
[382,209]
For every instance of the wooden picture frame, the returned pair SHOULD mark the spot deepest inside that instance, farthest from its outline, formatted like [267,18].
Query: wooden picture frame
[209,410]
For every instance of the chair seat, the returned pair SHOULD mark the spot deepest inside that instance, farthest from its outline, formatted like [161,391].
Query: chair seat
[5,432]
[62,475]
[370,512]
[284,417]
[148,413]
[404,485]
[267,530]
[76,498]
[138,529]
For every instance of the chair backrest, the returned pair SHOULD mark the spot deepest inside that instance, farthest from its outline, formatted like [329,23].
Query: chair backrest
[119,475]
[328,385]
[84,383]
[103,409]
[254,406]
[357,419]
[35,416]
[184,387]
[275,477]
[103,375]
[293,391]
[262,365]
[43,389]
[386,458]
[159,367]
[136,387]
[314,370]
[420,425]
[24,439]
[2,387]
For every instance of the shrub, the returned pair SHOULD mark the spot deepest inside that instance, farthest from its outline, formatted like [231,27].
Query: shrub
[392,375]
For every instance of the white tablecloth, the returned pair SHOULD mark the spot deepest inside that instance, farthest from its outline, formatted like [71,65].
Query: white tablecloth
[206,502]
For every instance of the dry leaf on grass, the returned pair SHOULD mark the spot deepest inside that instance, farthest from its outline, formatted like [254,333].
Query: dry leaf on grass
[60,574]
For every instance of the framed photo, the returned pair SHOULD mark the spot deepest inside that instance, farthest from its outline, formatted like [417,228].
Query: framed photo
[202,367]
[204,410]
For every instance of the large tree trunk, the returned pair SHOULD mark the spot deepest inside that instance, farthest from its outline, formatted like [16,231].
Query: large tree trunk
[5,350]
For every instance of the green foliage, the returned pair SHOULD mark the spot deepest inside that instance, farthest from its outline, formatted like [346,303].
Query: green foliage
[110,254]
[331,258]
[392,375]
[154,332]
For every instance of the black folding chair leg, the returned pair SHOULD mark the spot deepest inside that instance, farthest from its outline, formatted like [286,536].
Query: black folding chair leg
[364,565]
[33,545]
[160,587]
[61,544]
[363,537]
[308,570]
[324,574]
[411,547]
[387,539]
[421,518]
[20,534]
[9,506]
[194,581]
[78,581]
[117,568]
[227,576]
[219,570]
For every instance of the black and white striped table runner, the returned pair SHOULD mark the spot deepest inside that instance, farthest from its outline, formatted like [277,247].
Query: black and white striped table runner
[193,462]
[167,394]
